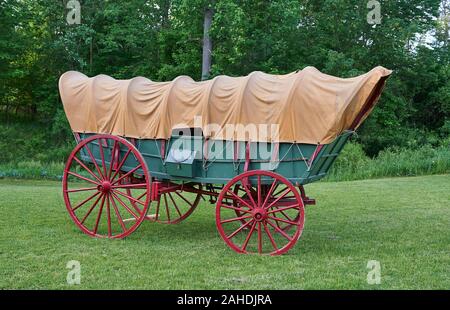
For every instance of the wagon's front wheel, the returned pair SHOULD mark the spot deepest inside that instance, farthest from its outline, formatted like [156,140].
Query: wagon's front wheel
[98,200]
[253,223]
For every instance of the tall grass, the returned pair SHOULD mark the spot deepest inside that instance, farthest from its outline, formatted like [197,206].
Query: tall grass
[354,164]
[32,170]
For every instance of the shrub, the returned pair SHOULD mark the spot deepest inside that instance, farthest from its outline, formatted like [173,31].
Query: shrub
[30,141]
[32,170]
[352,164]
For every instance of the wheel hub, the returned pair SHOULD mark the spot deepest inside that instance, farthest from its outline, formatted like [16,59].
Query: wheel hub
[259,214]
[105,187]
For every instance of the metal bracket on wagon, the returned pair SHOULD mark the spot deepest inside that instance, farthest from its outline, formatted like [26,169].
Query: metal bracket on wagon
[306,199]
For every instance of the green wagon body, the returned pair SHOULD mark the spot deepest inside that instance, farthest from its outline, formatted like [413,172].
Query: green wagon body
[293,161]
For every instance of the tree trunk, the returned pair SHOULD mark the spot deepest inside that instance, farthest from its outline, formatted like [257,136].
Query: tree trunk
[90,57]
[165,8]
[207,44]
[7,111]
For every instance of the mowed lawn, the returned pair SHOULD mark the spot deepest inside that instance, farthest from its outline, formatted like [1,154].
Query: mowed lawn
[404,223]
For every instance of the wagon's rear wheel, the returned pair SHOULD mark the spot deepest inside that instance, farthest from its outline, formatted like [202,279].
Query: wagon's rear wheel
[255,222]
[174,206]
[96,196]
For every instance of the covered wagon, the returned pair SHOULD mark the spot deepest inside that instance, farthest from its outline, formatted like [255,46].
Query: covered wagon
[153,150]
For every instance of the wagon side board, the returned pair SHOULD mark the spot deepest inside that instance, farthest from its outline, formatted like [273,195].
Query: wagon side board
[299,163]
[326,157]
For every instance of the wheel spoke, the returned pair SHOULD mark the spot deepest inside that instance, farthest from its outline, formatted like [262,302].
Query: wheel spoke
[125,206]
[86,168]
[279,192]
[278,225]
[81,189]
[279,230]
[259,238]
[119,218]
[167,207]
[174,204]
[84,201]
[270,237]
[282,220]
[102,156]
[129,197]
[126,174]
[248,193]
[131,200]
[113,159]
[108,212]
[99,215]
[240,199]
[92,208]
[294,206]
[272,187]
[244,246]
[285,215]
[187,201]
[93,161]
[82,177]
[140,196]
[157,209]
[259,190]
[121,164]
[240,189]
[239,229]
[235,208]
[235,219]
[287,190]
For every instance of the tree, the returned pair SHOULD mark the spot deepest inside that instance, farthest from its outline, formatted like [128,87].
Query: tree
[162,39]
[207,44]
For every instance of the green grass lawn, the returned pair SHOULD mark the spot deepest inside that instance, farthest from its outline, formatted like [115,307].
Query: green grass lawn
[404,223]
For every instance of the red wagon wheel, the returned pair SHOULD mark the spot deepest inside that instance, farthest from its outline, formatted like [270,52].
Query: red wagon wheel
[239,190]
[95,195]
[174,207]
[279,209]
[271,202]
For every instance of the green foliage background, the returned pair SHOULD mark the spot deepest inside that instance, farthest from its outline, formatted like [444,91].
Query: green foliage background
[162,39]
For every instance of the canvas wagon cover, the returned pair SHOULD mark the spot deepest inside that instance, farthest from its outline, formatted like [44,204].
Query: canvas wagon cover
[309,106]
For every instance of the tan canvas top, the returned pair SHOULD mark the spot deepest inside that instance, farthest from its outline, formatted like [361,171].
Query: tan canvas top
[309,106]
